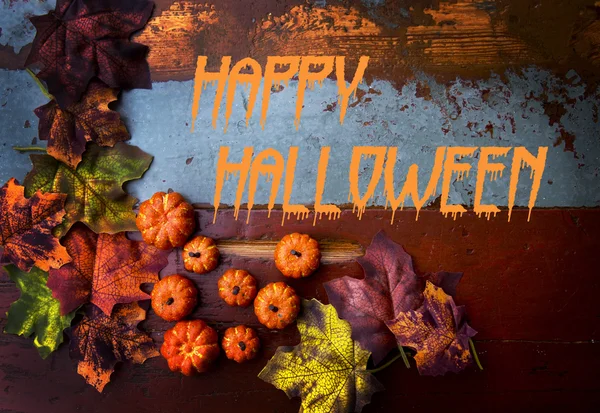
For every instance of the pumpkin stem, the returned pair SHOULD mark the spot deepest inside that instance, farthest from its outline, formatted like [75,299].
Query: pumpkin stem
[296,253]
[242,345]
[235,290]
[273,308]
[194,254]
[170,301]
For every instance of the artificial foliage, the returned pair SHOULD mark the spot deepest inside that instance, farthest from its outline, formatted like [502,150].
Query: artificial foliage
[94,189]
[107,269]
[84,39]
[88,120]
[36,313]
[26,227]
[328,369]
[389,287]
[99,341]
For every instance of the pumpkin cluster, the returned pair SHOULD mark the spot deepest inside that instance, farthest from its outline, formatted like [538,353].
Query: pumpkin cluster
[167,221]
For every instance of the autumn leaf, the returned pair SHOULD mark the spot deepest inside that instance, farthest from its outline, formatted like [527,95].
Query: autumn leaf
[36,312]
[106,270]
[83,39]
[437,331]
[389,287]
[327,369]
[68,130]
[99,342]
[94,189]
[26,225]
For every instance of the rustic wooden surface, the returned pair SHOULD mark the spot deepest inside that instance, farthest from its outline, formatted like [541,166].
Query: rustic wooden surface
[445,38]
[530,289]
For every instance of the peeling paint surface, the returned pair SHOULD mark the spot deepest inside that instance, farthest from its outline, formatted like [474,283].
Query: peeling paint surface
[423,115]
[15,28]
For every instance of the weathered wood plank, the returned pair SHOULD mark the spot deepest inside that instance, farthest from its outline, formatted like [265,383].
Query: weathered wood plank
[530,289]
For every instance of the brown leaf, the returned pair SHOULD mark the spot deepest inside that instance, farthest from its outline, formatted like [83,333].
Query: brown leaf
[26,228]
[83,39]
[389,287]
[437,331]
[90,119]
[106,270]
[99,342]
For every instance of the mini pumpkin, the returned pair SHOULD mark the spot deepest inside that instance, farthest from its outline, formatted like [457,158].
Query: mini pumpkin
[297,255]
[174,297]
[190,347]
[166,220]
[277,305]
[240,343]
[237,287]
[200,255]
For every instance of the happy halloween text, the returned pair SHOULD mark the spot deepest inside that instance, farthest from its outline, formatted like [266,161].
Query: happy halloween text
[446,166]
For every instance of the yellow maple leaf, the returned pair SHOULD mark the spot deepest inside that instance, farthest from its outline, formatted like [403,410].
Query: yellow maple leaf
[328,369]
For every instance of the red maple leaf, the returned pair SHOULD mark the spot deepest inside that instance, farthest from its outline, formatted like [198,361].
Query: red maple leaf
[437,331]
[390,286]
[81,39]
[99,342]
[26,228]
[107,269]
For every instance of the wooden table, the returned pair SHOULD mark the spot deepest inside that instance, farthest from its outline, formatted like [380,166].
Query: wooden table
[530,289]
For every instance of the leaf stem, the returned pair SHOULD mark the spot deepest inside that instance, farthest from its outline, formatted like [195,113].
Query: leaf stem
[401,355]
[475,356]
[29,148]
[40,85]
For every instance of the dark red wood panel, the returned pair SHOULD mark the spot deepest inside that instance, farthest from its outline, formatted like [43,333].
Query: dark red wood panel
[530,289]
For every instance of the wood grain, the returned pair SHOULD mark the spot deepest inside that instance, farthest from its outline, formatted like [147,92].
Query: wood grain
[530,289]
[446,38]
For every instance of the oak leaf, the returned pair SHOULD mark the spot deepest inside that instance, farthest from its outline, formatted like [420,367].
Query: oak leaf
[36,312]
[99,342]
[437,331]
[68,130]
[94,189]
[26,227]
[389,287]
[83,39]
[106,270]
[328,369]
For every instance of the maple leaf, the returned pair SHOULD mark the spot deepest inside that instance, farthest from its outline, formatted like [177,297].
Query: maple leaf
[437,331]
[327,369]
[26,225]
[99,342]
[389,287]
[36,312]
[106,270]
[82,39]
[94,189]
[68,130]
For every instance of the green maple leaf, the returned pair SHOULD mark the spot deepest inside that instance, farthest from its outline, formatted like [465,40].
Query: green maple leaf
[94,189]
[36,312]
[328,369]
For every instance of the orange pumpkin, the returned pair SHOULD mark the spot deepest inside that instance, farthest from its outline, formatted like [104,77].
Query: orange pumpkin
[277,305]
[166,220]
[174,297]
[297,255]
[240,343]
[237,287]
[200,255]
[190,347]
